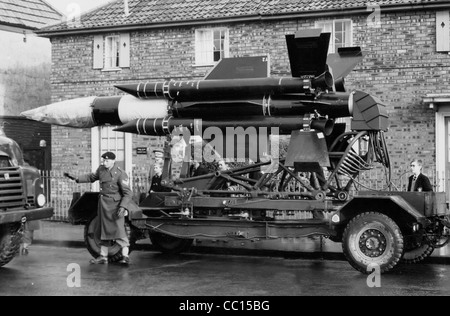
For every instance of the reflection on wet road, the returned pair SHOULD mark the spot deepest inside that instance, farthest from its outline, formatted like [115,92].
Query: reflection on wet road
[45,272]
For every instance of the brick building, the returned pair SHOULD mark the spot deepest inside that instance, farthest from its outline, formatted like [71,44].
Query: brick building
[406,65]
[25,67]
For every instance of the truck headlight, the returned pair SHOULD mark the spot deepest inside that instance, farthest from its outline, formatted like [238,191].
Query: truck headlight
[41,200]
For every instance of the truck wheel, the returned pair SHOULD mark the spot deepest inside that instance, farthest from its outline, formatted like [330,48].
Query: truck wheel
[372,239]
[92,233]
[417,255]
[168,244]
[10,237]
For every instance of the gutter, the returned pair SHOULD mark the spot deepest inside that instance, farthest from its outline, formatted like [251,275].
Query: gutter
[442,5]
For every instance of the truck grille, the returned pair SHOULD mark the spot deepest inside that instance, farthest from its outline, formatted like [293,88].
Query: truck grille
[11,189]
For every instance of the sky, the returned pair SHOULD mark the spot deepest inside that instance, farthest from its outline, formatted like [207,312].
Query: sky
[71,7]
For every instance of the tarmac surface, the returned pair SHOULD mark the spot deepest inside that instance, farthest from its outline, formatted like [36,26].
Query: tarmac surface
[66,235]
[58,265]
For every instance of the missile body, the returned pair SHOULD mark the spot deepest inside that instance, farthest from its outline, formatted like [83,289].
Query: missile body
[226,89]
[165,126]
[331,104]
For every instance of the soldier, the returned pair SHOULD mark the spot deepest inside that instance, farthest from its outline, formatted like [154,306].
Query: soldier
[115,198]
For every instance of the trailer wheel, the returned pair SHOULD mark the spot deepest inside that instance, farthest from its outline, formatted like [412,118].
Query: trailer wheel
[10,237]
[417,255]
[92,233]
[168,244]
[372,239]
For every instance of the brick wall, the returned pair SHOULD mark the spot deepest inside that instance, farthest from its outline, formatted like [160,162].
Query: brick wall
[400,67]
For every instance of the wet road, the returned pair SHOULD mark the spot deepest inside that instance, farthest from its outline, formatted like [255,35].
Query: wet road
[52,271]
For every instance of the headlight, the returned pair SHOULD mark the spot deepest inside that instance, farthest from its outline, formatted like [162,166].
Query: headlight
[41,200]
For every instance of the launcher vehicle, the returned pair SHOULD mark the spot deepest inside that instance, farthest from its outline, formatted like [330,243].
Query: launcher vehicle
[335,137]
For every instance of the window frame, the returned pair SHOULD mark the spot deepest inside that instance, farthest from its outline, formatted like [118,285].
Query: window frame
[102,51]
[206,57]
[110,50]
[323,24]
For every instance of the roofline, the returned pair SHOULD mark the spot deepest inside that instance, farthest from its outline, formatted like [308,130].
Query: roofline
[17,28]
[248,18]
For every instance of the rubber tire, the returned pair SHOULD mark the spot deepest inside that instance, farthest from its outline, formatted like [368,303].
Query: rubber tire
[10,238]
[417,255]
[92,241]
[168,244]
[391,232]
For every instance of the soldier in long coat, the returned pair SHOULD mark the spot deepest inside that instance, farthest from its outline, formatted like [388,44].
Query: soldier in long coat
[115,197]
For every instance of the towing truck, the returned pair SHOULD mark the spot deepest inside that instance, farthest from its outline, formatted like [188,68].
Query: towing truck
[22,198]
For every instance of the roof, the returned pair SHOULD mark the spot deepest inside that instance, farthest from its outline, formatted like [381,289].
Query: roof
[164,13]
[28,14]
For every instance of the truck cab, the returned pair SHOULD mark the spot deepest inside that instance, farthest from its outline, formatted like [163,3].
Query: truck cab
[22,198]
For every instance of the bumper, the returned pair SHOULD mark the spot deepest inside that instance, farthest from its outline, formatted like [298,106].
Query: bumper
[30,215]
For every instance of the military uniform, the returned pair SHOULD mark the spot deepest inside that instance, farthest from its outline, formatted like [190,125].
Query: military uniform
[114,193]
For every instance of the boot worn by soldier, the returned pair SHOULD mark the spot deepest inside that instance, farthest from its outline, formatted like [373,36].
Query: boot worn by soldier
[125,261]
[125,256]
[103,258]
[100,260]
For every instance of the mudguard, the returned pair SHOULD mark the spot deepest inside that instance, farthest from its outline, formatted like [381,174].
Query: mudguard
[83,208]
[394,206]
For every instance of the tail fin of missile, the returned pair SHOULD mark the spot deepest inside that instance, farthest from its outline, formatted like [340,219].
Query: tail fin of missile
[308,50]
[342,63]
[241,68]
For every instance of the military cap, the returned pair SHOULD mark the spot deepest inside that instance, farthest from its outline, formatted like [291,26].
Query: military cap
[109,155]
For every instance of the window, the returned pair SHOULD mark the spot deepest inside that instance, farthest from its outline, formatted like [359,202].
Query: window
[211,45]
[112,52]
[341,33]
[114,142]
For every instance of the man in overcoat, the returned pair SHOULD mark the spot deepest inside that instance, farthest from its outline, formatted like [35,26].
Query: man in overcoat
[418,181]
[115,197]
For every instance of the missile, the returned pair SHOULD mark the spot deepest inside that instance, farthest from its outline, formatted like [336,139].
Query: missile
[333,105]
[97,111]
[119,110]
[227,89]
[165,126]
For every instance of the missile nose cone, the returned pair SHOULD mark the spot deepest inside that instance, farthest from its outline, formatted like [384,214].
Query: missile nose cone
[72,113]
[35,114]
[131,89]
[127,128]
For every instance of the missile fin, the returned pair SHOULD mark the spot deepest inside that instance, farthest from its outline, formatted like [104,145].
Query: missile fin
[343,62]
[308,50]
[241,68]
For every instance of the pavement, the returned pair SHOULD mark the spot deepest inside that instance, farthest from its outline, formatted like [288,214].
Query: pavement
[64,234]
